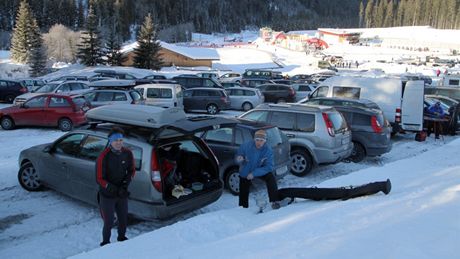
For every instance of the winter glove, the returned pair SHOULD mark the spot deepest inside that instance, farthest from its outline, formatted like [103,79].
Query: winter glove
[112,189]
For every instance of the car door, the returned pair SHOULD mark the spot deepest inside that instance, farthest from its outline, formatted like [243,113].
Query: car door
[222,144]
[200,99]
[82,169]
[57,108]
[62,155]
[32,112]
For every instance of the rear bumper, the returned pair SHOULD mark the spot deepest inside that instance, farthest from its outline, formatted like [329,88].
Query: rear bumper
[152,211]
[331,156]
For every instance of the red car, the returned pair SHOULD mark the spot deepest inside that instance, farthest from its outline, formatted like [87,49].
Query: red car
[61,110]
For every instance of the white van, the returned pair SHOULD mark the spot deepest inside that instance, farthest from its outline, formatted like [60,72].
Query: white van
[450,81]
[402,103]
[162,95]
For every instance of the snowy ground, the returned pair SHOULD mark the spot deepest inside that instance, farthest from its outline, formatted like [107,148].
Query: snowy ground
[420,218]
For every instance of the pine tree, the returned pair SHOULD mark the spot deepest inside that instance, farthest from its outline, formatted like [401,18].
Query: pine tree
[90,52]
[37,57]
[361,15]
[20,41]
[146,55]
[369,12]
[114,55]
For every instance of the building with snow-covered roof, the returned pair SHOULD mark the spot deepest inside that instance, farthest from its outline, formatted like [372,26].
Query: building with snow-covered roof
[173,55]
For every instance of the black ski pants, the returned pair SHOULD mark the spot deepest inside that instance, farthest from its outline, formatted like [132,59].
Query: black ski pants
[245,184]
[109,206]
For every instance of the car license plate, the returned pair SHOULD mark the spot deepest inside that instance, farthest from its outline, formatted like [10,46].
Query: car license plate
[281,170]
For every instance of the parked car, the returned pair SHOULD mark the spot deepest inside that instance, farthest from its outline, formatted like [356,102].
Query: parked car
[262,73]
[277,93]
[282,81]
[231,77]
[371,132]
[162,94]
[452,92]
[113,74]
[9,89]
[51,110]
[195,81]
[166,153]
[317,134]
[225,141]
[451,123]
[211,100]
[70,78]
[302,90]
[244,98]
[73,87]
[155,76]
[301,78]
[253,82]
[113,91]
[230,85]
[31,83]
[212,75]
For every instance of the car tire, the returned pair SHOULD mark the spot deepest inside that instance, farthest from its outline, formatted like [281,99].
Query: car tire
[301,162]
[281,100]
[247,106]
[212,109]
[28,178]
[9,98]
[358,153]
[65,124]
[7,123]
[232,181]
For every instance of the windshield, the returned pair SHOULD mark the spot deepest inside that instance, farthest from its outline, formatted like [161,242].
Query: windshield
[48,88]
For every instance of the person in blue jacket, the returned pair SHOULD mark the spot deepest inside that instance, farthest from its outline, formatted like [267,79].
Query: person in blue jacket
[437,112]
[256,160]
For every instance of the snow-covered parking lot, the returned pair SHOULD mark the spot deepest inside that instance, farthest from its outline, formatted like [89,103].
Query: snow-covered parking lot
[49,225]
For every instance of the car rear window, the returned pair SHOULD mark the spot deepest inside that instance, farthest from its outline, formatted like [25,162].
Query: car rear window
[338,121]
[273,136]
[79,101]
[346,92]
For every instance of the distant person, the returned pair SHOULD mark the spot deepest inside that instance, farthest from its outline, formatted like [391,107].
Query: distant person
[256,160]
[115,167]
[436,111]
[357,64]
[438,72]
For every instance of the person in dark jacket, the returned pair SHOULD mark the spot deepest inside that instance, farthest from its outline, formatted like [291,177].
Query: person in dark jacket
[256,160]
[115,167]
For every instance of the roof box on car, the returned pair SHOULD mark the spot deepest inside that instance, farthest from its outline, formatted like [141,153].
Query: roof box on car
[137,115]
[113,83]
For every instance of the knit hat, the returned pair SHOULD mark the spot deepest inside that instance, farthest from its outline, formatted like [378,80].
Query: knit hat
[260,134]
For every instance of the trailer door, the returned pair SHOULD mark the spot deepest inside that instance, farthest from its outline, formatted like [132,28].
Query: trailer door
[412,106]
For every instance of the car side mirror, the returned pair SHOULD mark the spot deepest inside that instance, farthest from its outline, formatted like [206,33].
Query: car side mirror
[47,149]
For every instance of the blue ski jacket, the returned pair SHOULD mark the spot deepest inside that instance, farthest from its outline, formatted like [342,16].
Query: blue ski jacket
[259,162]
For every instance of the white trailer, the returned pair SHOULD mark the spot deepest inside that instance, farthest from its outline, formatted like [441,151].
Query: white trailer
[402,103]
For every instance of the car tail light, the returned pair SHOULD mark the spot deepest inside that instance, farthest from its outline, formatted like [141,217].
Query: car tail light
[329,125]
[225,99]
[398,115]
[376,125]
[23,89]
[291,91]
[155,174]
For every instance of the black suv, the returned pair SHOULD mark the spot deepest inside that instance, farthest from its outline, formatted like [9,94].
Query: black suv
[225,141]
[277,93]
[194,81]
[9,89]
[211,100]
[370,130]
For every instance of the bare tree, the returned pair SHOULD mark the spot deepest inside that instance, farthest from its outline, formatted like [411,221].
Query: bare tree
[61,43]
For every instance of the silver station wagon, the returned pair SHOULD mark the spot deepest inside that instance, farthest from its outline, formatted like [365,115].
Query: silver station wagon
[170,160]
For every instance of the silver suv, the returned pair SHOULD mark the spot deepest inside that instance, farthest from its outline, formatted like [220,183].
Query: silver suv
[317,134]
[166,153]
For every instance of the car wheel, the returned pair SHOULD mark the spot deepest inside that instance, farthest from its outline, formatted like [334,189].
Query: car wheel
[212,109]
[7,123]
[247,106]
[28,178]
[9,98]
[65,124]
[358,153]
[281,100]
[301,162]
[232,181]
